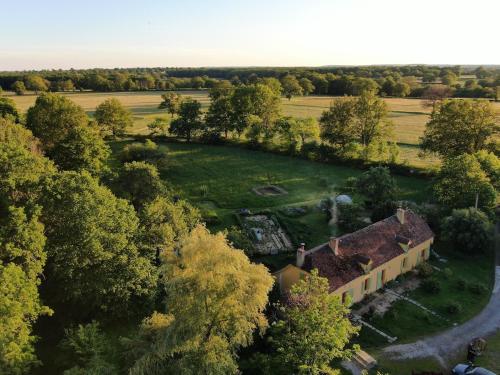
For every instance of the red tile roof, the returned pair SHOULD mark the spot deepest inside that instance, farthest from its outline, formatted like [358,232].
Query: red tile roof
[379,242]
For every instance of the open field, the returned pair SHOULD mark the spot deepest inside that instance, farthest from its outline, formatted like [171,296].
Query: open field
[409,116]
[230,173]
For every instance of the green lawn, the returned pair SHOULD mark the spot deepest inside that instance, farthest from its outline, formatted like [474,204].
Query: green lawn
[409,323]
[221,178]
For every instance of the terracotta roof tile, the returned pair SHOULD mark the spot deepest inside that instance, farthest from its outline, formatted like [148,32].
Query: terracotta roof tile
[377,242]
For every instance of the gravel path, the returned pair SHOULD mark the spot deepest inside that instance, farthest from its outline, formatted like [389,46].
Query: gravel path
[448,344]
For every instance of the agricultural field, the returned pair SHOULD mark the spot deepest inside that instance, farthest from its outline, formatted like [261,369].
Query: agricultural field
[409,116]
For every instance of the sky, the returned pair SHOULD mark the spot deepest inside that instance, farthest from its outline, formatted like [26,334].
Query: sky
[62,34]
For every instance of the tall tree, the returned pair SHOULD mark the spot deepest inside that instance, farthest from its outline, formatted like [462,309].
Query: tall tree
[171,102]
[163,223]
[377,185]
[51,118]
[8,108]
[468,230]
[291,86]
[18,87]
[315,329]
[94,265]
[140,183]
[82,149]
[36,83]
[305,129]
[189,119]
[220,113]
[113,117]
[371,113]
[215,298]
[307,85]
[460,126]
[22,259]
[338,124]
[460,181]
[22,165]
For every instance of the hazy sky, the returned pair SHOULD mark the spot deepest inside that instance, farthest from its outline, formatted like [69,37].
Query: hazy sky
[40,34]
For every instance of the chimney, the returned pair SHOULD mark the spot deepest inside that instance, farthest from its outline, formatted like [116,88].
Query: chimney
[334,245]
[400,213]
[301,255]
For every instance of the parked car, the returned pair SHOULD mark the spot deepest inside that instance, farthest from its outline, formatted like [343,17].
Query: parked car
[462,369]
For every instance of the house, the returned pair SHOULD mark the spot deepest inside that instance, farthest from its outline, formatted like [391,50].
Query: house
[359,263]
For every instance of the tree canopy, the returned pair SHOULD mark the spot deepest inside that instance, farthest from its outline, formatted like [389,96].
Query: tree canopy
[189,119]
[94,264]
[52,117]
[315,329]
[460,180]
[215,299]
[460,126]
[468,230]
[113,117]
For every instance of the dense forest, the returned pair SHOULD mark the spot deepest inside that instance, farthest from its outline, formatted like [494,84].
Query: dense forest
[398,81]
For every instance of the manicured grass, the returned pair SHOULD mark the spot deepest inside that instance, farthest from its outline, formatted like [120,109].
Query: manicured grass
[409,323]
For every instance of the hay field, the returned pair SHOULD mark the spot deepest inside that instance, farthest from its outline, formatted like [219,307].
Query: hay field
[409,116]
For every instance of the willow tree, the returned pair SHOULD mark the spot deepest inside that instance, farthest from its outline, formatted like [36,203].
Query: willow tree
[215,299]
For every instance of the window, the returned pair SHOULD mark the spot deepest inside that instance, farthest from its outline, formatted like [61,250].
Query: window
[344,296]
[423,255]
[404,264]
[367,285]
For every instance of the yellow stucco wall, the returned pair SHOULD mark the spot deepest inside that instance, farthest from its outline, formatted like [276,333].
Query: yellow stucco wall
[289,275]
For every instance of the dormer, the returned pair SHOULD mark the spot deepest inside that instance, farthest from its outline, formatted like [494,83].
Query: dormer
[404,242]
[364,261]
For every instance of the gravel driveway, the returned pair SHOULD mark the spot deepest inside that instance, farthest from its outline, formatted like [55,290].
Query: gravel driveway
[448,344]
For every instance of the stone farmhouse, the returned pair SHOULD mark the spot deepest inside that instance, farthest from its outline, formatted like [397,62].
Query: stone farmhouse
[359,263]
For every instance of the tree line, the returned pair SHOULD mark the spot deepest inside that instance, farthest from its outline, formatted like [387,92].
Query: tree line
[397,81]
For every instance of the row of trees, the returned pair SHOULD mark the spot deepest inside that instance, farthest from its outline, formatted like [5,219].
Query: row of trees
[117,244]
[387,81]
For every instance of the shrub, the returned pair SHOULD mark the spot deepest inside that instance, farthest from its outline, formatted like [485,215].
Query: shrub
[431,286]
[468,231]
[349,217]
[478,289]
[425,270]
[461,284]
[210,217]
[447,272]
[240,240]
[147,151]
[453,308]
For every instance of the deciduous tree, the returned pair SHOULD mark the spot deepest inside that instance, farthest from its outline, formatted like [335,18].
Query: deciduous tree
[18,87]
[215,298]
[315,329]
[171,102]
[113,117]
[291,86]
[468,230]
[51,118]
[338,124]
[377,185]
[460,126]
[8,109]
[189,119]
[94,265]
[460,180]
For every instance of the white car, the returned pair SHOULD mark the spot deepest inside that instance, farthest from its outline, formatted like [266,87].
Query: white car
[470,370]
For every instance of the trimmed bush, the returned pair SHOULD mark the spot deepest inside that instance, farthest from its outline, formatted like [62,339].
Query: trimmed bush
[453,308]
[431,286]
[425,270]
[461,284]
[478,289]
